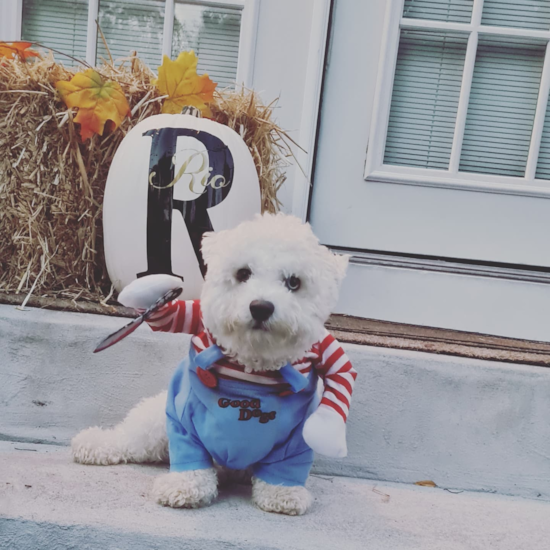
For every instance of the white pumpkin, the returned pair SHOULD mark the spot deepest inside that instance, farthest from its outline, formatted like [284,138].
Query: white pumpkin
[172,178]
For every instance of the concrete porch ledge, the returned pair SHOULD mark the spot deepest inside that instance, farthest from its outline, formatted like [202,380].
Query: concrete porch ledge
[365,332]
[466,424]
[49,502]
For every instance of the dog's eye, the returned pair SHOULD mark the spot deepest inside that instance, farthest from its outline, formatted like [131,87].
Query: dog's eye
[243,275]
[293,283]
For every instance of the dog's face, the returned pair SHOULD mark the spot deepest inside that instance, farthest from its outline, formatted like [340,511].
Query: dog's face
[269,289]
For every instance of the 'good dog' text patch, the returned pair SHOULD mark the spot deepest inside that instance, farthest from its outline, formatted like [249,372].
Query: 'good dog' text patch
[248,408]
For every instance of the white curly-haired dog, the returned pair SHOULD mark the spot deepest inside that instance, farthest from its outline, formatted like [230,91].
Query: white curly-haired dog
[246,397]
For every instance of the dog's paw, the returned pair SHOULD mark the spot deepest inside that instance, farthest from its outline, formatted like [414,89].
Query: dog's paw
[191,489]
[97,446]
[292,501]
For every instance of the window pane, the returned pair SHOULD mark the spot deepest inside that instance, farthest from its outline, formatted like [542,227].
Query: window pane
[525,14]
[502,106]
[213,33]
[58,24]
[459,11]
[425,97]
[132,25]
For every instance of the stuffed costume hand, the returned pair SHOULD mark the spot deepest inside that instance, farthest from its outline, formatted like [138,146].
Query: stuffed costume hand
[143,293]
[325,432]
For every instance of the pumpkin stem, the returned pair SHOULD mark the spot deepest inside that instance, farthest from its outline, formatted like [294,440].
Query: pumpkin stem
[193,111]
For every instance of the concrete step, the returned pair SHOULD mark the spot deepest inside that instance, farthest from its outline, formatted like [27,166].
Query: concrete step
[465,423]
[49,502]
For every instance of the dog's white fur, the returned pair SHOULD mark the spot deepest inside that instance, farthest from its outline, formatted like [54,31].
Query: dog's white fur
[273,248]
[191,489]
[140,437]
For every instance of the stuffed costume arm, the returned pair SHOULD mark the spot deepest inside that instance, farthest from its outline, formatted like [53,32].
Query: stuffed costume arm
[176,316]
[325,430]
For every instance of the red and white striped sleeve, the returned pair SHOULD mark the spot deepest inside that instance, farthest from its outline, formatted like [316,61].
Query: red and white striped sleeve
[338,374]
[178,316]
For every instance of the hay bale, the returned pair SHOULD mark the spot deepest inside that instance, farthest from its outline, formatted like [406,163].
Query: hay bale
[51,185]
[270,146]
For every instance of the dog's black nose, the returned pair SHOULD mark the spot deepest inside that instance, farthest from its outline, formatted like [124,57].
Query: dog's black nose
[261,310]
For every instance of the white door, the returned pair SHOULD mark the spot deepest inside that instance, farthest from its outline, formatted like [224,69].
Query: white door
[433,162]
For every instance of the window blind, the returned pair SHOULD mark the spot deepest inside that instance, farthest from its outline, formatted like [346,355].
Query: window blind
[132,25]
[213,33]
[501,111]
[457,11]
[425,97]
[58,24]
[525,14]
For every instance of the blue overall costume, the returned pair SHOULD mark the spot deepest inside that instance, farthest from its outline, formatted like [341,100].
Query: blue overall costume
[239,424]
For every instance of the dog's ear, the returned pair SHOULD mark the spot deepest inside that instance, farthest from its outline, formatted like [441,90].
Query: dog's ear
[212,244]
[341,262]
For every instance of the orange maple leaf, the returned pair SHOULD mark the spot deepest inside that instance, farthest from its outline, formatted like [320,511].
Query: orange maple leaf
[184,87]
[97,102]
[17,50]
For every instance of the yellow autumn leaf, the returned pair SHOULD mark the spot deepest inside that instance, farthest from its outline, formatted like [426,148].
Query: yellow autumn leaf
[426,483]
[97,102]
[184,87]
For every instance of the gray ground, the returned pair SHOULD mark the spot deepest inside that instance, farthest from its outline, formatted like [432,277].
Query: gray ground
[47,501]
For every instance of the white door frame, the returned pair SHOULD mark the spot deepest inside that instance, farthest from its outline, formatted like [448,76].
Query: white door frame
[10,20]
[307,137]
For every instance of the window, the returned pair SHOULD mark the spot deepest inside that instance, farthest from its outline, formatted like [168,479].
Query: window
[131,25]
[149,27]
[462,98]
[214,35]
[58,24]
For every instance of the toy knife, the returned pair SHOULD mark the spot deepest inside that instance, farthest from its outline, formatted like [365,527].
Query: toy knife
[120,334]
